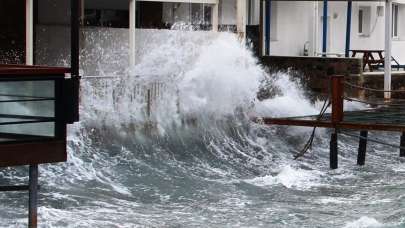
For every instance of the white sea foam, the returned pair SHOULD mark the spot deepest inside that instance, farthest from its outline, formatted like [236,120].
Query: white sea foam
[364,222]
[290,177]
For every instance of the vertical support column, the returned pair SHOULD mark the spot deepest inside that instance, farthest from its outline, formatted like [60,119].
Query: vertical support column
[215,20]
[325,28]
[388,47]
[361,155]
[241,18]
[33,196]
[337,116]
[132,25]
[74,56]
[333,157]
[348,26]
[402,150]
[29,32]
[261,28]
[82,12]
[268,27]
[74,33]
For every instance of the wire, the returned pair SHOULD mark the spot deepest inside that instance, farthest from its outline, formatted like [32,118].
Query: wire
[310,141]
[372,140]
[372,103]
[372,89]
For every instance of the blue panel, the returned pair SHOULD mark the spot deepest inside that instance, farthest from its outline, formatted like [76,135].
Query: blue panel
[325,27]
[268,27]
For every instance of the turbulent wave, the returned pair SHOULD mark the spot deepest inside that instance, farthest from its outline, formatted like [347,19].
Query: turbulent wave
[171,144]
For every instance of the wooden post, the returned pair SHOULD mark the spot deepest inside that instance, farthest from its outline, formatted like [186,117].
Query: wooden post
[361,156]
[337,98]
[333,151]
[337,116]
[33,196]
[402,151]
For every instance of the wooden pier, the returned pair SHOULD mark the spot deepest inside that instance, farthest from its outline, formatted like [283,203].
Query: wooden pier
[385,115]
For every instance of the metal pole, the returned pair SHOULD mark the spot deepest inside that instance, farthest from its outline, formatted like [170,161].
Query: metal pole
[33,196]
[325,28]
[261,28]
[388,47]
[268,26]
[348,26]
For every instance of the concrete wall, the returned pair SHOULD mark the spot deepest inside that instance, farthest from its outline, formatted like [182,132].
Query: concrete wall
[314,72]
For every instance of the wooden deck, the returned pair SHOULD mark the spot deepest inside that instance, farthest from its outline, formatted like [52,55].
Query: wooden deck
[376,119]
[383,116]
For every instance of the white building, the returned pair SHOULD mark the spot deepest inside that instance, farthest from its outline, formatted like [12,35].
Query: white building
[297,26]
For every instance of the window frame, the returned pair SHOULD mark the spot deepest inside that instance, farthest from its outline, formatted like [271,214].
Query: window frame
[395,21]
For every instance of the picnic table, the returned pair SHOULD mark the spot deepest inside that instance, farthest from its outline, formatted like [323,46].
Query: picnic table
[371,58]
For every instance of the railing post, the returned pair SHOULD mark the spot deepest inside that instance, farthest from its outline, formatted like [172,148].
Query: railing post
[337,116]
[337,98]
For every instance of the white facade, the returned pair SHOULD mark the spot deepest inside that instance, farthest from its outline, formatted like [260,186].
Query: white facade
[298,25]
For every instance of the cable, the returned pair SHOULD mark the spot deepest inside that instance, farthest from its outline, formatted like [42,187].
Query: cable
[372,140]
[372,103]
[372,89]
[310,141]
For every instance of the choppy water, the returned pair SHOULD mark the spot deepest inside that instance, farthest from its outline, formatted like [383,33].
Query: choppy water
[219,171]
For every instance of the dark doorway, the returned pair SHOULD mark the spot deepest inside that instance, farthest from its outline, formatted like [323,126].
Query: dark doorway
[12,31]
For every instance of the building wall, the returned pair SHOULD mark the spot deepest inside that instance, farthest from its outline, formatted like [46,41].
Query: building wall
[294,27]
[300,23]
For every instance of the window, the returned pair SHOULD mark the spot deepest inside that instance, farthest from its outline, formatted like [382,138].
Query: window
[395,15]
[364,19]
[361,13]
